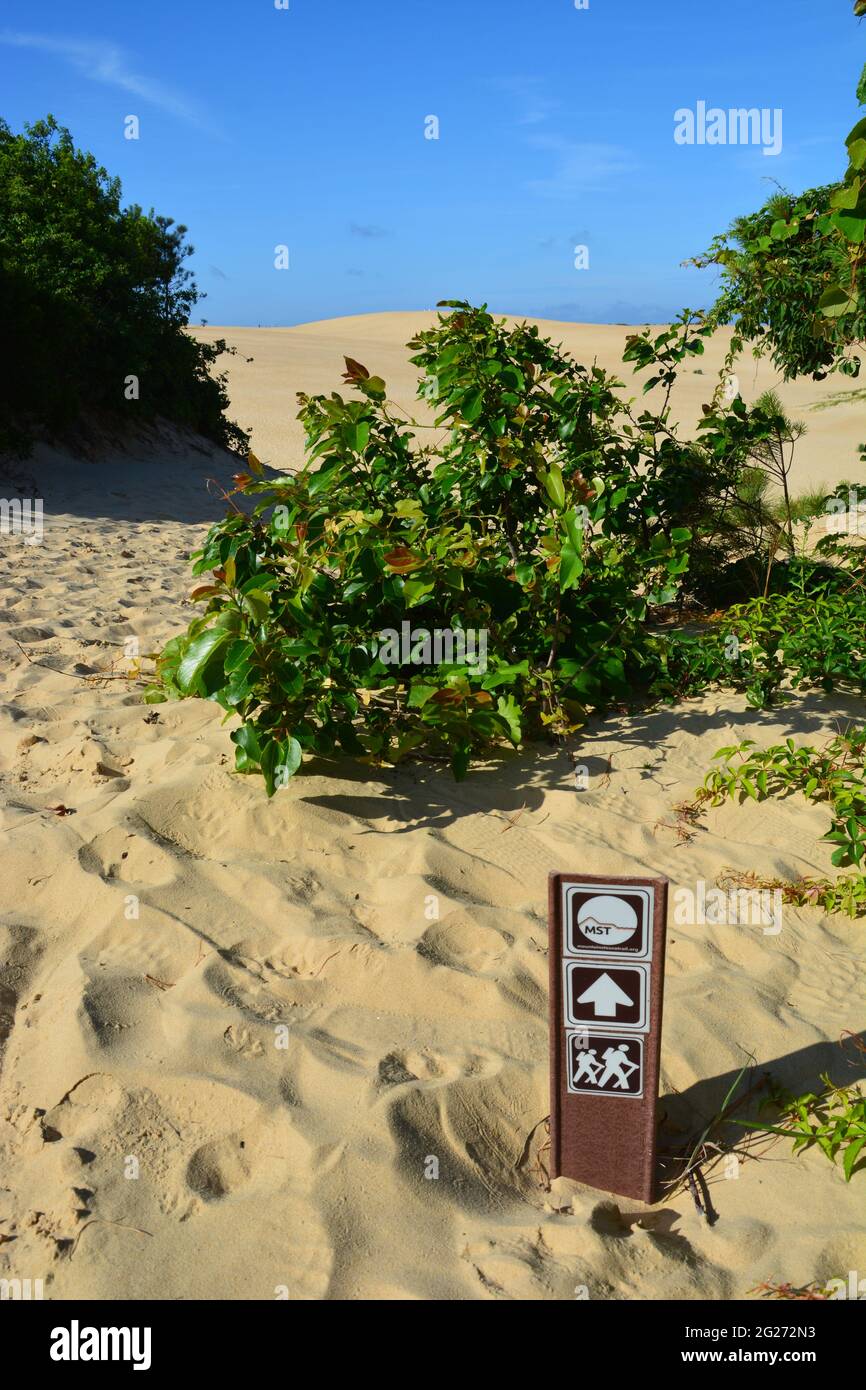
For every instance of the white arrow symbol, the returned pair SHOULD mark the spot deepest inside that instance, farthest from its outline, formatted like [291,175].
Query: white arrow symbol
[605,995]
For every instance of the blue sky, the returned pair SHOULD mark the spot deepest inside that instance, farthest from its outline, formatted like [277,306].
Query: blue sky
[305,127]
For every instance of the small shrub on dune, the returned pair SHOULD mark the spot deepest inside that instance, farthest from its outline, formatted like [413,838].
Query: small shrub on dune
[539,519]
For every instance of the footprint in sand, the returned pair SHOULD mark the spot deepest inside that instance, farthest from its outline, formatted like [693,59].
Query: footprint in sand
[121,854]
[219,1168]
[29,633]
[461,944]
[476,1127]
[120,1014]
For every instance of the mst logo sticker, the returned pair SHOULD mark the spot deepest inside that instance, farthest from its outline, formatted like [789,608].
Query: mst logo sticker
[615,920]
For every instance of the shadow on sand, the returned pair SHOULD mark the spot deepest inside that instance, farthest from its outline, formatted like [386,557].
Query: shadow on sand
[417,795]
[163,475]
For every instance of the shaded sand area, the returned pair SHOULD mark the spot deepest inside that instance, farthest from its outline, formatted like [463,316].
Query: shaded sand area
[310,358]
[234,1033]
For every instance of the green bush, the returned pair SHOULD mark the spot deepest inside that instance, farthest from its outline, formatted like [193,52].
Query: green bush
[93,293]
[539,513]
[808,634]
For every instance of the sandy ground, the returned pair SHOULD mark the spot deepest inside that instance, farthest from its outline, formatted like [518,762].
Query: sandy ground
[310,358]
[234,1033]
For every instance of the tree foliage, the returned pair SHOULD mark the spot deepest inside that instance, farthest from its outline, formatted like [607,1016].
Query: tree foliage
[93,293]
[794,272]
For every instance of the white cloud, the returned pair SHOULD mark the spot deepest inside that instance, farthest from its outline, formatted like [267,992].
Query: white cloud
[579,166]
[99,60]
[368,230]
[530,93]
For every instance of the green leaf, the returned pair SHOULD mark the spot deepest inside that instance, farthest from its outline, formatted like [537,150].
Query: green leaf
[554,485]
[850,1156]
[361,436]
[203,650]
[509,710]
[525,572]
[238,655]
[257,602]
[854,228]
[248,753]
[280,760]
[409,508]
[835,302]
[847,196]
[858,133]
[505,675]
[574,530]
[570,568]
[420,694]
[857,150]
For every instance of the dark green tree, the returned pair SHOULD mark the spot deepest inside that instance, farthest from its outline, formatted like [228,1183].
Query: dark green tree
[93,292]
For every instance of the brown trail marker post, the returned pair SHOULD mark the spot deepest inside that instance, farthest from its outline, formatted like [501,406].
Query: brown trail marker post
[607,957]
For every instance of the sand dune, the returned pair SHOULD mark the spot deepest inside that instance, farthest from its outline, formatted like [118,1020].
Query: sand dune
[235,1032]
[310,358]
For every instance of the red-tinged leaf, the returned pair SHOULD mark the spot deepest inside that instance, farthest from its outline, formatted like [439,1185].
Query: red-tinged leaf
[447,697]
[401,559]
[355,371]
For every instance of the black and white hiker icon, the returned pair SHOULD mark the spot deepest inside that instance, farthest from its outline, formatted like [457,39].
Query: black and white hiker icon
[615,1060]
[599,1062]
